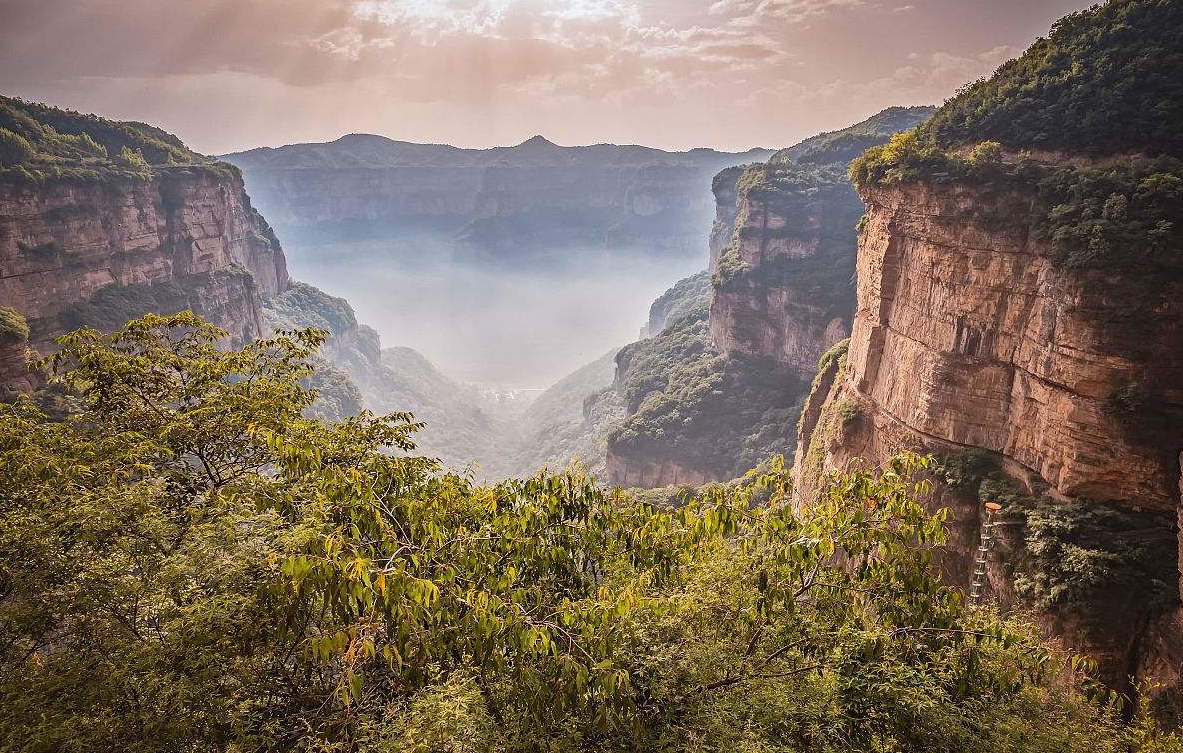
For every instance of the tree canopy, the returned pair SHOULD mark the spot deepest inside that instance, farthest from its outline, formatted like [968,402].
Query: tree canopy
[190,562]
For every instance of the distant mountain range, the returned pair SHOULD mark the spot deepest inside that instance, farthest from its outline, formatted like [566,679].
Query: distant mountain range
[511,204]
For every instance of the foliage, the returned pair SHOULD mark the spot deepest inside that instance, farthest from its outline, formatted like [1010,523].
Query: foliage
[303,305]
[13,326]
[14,148]
[1105,81]
[1099,561]
[684,297]
[66,145]
[1090,556]
[1127,216]
[111,307]
[844,145]
[191,563]
[688,403]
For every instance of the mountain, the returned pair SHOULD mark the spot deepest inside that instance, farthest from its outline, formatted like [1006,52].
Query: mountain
[525,202]
[1019,316]
[721,388]
[102,221]
[850,142]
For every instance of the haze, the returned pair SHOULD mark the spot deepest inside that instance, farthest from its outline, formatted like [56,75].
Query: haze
[504,328]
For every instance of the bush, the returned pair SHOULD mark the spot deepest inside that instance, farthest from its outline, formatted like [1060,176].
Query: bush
[14,148]
[13,326]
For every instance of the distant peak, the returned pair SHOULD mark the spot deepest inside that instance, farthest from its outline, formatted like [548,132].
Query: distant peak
[536,141]
[360,137]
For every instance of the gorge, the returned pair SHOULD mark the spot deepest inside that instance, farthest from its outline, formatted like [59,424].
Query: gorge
[993,285]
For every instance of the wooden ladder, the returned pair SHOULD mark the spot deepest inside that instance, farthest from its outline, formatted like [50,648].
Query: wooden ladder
[984,547]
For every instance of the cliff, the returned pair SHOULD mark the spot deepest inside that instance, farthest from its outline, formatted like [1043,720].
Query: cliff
[509,203]
[783,246]
[718,388]
[1018,315]
[86,240]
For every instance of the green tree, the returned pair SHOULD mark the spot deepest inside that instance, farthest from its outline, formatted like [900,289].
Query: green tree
[190,562]
[14,148]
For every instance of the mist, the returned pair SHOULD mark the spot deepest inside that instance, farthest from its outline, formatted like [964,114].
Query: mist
[480,321]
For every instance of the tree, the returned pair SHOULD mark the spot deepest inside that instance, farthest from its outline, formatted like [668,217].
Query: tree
[191,562]
[14,148]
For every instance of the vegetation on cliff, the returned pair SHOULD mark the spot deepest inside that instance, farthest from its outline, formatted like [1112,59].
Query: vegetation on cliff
[1103,83]
[684,297]
[689,404]
[13,326]
[844,145]
[39,142]
[190,562]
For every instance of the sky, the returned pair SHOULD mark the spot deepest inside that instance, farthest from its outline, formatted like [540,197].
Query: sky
[227,75]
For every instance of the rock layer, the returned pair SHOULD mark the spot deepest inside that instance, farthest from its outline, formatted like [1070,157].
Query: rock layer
[189,238]
[783,256]
[970,336]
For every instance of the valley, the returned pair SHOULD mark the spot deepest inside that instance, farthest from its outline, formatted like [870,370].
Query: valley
[867,441]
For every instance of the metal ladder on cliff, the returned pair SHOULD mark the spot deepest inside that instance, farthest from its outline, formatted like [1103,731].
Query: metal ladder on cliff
[984,547]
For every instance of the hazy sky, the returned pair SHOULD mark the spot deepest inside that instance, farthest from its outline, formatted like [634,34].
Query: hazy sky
[232,74]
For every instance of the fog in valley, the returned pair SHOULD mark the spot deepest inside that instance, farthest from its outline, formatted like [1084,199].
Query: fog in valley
[490,323]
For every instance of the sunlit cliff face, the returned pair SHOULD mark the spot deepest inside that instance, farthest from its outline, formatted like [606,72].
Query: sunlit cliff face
[673,73]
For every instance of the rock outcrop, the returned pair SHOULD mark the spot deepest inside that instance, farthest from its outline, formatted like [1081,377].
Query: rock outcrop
[783,246]
[1019,317]
[105,221]
[783,284]
[190,239]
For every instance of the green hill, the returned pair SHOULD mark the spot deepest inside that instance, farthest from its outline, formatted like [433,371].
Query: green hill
[40,142]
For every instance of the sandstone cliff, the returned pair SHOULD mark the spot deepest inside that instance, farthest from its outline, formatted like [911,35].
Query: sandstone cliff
[86,239]
[179,236]
[1019,316]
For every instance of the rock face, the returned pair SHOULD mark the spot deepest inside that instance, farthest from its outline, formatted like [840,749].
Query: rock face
[783,245]
[783,281]
[708,400]
[507,202]
[652,474]
[74,253]
[971,336]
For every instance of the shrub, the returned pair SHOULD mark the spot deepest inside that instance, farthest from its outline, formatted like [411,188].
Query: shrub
[13,326]
[14,148]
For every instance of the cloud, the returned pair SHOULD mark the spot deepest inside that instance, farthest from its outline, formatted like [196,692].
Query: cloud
[670,72]
[754,12]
